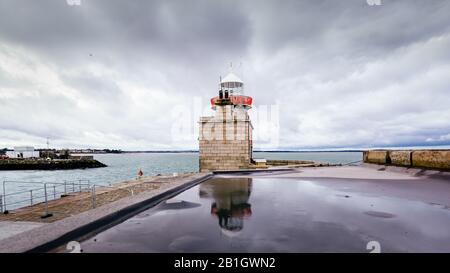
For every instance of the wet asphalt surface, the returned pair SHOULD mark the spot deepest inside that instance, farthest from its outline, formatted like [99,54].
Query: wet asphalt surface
[273,214]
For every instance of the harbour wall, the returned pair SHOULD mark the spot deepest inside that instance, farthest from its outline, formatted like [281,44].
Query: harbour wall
[428,159]
[42,164]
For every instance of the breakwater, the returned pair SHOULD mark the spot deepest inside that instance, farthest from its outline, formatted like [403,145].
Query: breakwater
[283,162]
[428,159]
[43,164]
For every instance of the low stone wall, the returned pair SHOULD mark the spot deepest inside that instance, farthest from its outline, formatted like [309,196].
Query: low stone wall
[430,159]
[275,162]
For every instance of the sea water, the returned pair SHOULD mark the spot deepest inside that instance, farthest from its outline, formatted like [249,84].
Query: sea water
[124,166]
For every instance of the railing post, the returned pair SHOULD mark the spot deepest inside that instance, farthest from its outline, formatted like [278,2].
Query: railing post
[79,185]
[93,197]
[73,186]
[4,196]
[1,203]
[54,192]
[47,214]
[31,197]
[65,187]
[46,200]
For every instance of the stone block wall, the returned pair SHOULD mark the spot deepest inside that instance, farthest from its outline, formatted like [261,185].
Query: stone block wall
[379,157]
[431,159]
[225,141]
[400,158]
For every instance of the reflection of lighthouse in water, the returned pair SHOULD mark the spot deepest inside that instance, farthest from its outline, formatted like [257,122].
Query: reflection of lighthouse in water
[230,204]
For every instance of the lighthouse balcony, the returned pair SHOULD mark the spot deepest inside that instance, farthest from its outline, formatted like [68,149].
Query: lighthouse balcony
[238,100]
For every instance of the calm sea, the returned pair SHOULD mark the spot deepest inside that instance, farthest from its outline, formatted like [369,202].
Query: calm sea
[125,166]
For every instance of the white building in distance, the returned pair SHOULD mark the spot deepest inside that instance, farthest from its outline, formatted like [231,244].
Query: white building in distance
[23,152]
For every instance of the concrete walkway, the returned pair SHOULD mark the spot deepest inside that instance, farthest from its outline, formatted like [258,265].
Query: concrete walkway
[87,221]
[11,228]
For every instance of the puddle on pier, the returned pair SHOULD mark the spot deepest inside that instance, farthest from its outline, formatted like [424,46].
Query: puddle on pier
[278,215]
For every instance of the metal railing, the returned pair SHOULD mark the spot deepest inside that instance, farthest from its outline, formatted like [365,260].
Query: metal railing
[94,194]
[36,194]
[43,192]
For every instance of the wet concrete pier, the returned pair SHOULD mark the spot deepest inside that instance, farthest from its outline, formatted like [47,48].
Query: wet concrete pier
[332,209]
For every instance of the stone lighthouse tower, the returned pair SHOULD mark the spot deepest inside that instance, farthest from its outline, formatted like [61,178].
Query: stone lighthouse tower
[225,139]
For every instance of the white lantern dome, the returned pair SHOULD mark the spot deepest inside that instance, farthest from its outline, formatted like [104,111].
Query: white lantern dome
[233,84]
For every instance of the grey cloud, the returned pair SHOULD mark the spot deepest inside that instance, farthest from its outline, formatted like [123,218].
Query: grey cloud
[182,31]
[109,73]
[352,28]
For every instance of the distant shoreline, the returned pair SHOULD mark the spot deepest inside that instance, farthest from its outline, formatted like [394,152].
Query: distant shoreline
[107,151]
[193,151]
[260,151]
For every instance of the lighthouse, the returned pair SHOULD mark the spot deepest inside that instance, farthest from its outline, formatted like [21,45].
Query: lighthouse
[225,139]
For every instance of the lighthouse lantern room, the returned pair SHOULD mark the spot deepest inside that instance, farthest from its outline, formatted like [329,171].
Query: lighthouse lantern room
[231,90]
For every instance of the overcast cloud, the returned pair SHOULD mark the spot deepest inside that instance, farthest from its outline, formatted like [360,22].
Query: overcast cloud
[122,74]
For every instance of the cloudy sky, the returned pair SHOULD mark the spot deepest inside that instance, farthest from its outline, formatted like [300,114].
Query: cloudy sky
[138,74]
